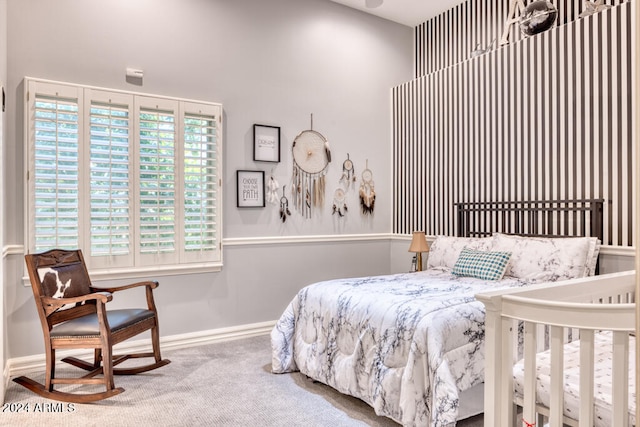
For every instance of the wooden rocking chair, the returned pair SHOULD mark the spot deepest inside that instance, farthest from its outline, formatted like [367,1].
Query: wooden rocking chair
[73,315]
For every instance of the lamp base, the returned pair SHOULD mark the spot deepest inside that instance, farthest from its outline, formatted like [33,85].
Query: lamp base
[419,261]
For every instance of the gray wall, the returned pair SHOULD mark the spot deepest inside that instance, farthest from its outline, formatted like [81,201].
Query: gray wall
[269,62]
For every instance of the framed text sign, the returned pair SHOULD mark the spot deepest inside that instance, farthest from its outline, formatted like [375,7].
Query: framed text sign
[250,189]
[266,143]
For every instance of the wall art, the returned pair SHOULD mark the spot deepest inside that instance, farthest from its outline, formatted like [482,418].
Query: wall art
[250,189]
[266,143]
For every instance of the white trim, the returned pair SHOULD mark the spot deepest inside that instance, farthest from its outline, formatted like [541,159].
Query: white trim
[159,271]
[21,365]
[6,377]
[154,270]
[145,272]
[272,240]
[12,250]
[128,92]
[618,250]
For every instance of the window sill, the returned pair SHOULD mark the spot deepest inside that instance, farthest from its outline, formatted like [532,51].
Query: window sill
[147,273]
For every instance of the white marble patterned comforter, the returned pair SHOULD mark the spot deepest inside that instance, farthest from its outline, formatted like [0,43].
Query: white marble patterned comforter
[406,344]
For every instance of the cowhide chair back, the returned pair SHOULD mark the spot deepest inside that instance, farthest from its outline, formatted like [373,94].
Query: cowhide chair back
[62,274]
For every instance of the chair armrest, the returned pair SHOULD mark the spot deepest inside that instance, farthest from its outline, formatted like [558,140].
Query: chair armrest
[52,304]
[149,286]
[149,283]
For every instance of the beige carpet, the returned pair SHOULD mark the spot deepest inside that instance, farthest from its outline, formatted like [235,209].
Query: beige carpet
[222,384]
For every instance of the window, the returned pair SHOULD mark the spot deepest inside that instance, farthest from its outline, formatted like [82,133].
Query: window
[133,180]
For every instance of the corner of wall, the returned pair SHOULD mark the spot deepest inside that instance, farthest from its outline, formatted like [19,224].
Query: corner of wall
[3,78]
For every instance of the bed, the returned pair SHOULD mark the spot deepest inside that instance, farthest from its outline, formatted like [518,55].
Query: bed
[411,345]
[577,367]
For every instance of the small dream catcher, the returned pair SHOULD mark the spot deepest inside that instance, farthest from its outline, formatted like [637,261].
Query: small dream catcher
[311,156]
[367,191]
[348,173]
[284,206]
[339,203]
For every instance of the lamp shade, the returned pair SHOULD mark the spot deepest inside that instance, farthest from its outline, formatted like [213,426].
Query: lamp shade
[419,242]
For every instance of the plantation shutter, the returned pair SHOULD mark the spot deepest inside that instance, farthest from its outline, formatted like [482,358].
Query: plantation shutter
[110,178]
[202,198]
[157,181]
[132,180]
[54,184]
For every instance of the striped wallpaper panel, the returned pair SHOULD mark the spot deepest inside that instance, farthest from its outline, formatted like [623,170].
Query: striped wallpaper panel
[544,117]
[450,37]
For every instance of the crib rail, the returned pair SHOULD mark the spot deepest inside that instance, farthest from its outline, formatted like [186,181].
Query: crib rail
[598,303]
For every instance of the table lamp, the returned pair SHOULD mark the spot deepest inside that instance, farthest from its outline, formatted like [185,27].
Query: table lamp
[418,245]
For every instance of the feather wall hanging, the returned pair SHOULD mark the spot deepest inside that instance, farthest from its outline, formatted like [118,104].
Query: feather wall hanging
[272,190]
[311,157]
[339,203]
[284,206]
[367,191]
[348,173]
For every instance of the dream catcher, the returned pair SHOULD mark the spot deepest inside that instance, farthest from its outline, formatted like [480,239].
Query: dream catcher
[348,173]
[272,190]
[339,203]
[367,191]
[284,206]
[311,156]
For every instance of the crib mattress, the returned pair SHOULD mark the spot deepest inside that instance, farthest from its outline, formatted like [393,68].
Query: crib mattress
[602,379]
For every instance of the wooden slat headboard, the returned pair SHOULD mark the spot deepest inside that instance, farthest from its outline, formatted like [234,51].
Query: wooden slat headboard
[581,217]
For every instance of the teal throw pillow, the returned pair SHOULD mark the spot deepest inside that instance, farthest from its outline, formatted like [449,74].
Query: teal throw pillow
[481,264]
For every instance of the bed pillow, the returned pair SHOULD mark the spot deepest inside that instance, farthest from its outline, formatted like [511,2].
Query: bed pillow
[546,259]
[481,264]
[445,250]
[592,256]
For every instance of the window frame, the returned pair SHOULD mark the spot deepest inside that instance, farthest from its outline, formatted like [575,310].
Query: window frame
[133,264]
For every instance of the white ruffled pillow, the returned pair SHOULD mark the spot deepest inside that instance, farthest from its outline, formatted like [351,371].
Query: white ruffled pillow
[548,259]
[445,250]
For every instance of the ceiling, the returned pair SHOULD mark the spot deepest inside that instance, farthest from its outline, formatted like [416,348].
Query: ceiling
[407,12]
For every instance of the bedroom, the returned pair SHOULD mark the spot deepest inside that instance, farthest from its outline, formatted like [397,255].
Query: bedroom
[265,62]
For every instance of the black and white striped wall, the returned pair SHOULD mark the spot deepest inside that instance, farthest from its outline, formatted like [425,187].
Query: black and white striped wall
[542,117]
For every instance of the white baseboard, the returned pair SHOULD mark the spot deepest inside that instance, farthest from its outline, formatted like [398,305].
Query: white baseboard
[5,382]
[21,365]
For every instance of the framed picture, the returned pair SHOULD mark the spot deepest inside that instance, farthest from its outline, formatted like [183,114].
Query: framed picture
[266,143]
[250,189]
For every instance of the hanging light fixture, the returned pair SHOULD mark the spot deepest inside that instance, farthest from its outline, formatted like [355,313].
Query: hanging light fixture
[371,4]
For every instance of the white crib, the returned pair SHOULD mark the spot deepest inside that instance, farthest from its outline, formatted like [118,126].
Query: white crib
[554,314]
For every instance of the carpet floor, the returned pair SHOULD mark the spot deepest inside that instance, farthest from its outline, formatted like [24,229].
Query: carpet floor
[222,384]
